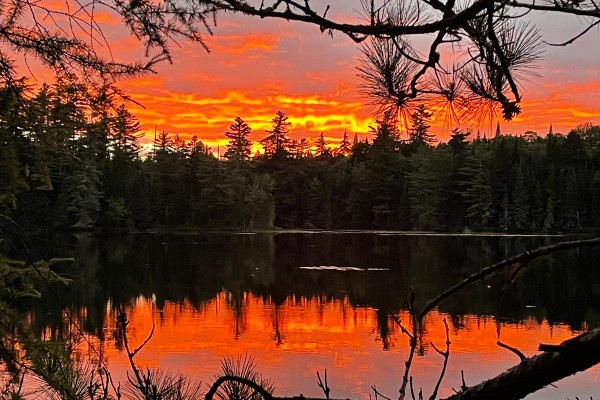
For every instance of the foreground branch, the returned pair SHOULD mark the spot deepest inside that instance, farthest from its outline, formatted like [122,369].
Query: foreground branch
[250,383]
[522,259]
[532,374]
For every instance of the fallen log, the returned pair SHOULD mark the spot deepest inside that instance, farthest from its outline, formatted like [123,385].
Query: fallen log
[575,355]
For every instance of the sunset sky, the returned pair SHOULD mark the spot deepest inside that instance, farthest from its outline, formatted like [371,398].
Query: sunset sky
[259,66]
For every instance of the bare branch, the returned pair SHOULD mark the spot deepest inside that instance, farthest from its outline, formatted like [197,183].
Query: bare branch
[513,349]
[413,344]
[446,355]
[323,385]
[522,258]
[574,38]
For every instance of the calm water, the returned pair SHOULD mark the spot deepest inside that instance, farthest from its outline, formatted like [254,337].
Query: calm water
[268,296]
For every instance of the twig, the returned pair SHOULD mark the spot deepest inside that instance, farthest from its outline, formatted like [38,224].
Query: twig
[378,394]
[123,322]
[413,345]
[141,346]
[574,38]
[324,387]
[412,391]
[513,349]
[446,355]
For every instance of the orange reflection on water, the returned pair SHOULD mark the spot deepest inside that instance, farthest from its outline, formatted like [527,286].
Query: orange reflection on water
[293,340]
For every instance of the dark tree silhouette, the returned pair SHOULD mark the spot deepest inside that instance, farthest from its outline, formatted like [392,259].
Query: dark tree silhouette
[321,148]
[239,147]
[345,148]
[125,140]
[419,131]
[277,142]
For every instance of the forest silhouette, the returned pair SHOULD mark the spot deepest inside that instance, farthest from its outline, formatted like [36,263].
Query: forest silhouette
[74,163]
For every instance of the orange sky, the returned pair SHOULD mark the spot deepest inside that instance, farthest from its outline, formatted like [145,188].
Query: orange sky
[259,66]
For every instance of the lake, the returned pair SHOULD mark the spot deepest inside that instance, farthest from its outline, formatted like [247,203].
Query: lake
[302,302]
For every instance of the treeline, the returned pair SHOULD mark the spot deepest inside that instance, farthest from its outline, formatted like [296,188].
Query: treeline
[72,163]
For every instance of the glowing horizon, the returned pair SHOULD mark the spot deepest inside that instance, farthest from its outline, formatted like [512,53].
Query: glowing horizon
[257,67]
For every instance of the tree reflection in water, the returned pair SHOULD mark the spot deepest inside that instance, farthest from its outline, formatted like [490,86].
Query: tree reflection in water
[226,294]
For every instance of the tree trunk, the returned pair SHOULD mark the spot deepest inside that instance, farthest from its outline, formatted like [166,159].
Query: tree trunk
[571,356]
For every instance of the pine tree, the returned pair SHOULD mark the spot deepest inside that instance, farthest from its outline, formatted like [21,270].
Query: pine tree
[386,135]
[419,132]
[163,144]
[126,135]
[321,146]
[477,188]
[195,147]
[345,148]
[520,203]
[277,141]
[180,146]
[458,140]
[427,183]
[260,202]
[239,147]
[315,204]
[98,130]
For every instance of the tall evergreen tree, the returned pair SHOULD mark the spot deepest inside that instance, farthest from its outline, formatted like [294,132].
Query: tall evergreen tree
[126,135]
[163,144]
[477,188]
[520,202]
[419,131]
[321,146]
[345,148]
[239,147]
[98,131]
[277,142]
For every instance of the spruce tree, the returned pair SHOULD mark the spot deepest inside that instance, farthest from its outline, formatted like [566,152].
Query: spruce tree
[277,142]
[125,140]
[419,132]
[321,146]
[239,147]
[345,148]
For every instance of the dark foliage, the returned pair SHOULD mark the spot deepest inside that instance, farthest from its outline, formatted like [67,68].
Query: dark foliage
[71,168]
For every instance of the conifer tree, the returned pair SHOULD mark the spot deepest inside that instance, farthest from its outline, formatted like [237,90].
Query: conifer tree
[277,141]
[303,148]
[520,203]
[195,147]
[321,146]
[419,132]
[345,148]
[125,140]
[163,144]
[239,147]
[98,130]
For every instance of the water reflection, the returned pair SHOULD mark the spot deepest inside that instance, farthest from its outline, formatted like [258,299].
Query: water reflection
[293,340]
[214,295]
